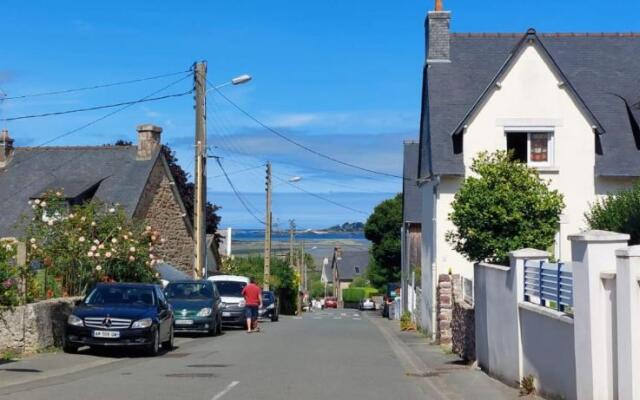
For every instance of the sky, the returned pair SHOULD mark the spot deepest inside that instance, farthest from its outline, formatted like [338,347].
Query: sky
[342,77]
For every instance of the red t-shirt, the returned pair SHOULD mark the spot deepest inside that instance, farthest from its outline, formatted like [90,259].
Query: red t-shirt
[251,294]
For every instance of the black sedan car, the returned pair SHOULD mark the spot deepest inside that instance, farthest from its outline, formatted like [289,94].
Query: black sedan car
[269,306]
[196,306]
[121,314]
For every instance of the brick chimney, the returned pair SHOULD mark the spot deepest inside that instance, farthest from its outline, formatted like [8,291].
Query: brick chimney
[6,148]
[437,29]
[148,141]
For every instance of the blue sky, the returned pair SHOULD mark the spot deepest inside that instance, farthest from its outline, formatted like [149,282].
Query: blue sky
[340,76]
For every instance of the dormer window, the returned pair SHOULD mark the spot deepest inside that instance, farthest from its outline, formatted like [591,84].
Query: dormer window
[532,147]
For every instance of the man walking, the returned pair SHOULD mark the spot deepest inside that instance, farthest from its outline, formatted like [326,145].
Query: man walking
[253,299]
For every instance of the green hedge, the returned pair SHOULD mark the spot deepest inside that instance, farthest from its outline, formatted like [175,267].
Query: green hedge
[354,295]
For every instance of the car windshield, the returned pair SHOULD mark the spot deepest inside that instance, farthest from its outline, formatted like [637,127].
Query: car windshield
[230,288]
[131,295]
[189,290]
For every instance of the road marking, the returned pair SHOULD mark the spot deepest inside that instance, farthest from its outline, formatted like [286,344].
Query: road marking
[225,391]
[297,317]
[344,314]
[356,315]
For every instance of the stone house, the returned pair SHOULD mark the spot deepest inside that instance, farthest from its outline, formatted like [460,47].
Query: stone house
[136,177]
[566,104]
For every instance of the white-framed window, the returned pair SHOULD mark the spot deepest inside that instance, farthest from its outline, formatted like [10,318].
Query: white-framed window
[534,147]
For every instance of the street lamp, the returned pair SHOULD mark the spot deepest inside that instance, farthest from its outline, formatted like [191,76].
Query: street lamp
[238,80]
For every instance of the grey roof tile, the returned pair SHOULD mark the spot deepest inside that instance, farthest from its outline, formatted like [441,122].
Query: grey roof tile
[352,264]
[411,194]
[34,170]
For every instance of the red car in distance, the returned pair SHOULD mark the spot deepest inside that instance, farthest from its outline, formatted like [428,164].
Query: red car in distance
[330,302]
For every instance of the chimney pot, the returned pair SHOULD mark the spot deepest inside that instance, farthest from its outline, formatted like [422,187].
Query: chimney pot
[148,140]
[438,6]
[6,148]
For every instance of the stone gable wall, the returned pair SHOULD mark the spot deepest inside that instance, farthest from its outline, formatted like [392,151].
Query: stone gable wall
[456,318]
[160,208]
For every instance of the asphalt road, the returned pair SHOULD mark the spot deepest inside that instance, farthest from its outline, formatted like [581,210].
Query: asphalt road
[323,355]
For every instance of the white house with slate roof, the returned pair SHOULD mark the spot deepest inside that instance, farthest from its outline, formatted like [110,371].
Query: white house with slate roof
[567,104]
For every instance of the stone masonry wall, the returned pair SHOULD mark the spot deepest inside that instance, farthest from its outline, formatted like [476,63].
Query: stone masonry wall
[35,326]
[166,216]
[160,208]
[456,319]
[445,308]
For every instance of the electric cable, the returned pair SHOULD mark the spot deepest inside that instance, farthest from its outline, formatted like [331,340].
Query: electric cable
[235,191]
[65,91]
[296,143]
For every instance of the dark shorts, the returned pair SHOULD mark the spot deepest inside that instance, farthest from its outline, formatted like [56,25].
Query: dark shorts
[252,312]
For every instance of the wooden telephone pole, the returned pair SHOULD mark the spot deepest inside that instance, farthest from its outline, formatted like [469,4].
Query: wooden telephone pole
[200,201]
[267,232]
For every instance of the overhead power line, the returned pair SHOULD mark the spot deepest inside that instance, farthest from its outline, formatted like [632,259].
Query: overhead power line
[235,191]
[81,89]
[296,143]
[72,131]
[94,108]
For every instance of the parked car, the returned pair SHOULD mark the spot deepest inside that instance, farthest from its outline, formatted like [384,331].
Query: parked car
[367,304]
[232,303]
[196,306]
[121,314]
[270,306]
[330,302]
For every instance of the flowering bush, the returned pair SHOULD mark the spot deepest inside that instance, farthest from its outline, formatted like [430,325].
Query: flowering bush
[84,244]
[9,275]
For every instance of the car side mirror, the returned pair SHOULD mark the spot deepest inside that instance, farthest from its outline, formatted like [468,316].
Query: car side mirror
[77,302]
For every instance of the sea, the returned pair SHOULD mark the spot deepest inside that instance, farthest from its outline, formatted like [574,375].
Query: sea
[253,235]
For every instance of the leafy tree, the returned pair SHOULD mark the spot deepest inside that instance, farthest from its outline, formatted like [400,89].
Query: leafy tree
[619,212]
[501,207]
[383,230]
[359,282]
[9,275]
[283,279]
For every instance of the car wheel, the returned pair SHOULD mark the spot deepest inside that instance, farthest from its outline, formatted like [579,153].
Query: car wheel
[154,347]
[69,348]
[274,317]
[168,345]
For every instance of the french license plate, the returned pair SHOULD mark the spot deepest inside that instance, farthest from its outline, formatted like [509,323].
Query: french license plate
[106,334]
[226,314]
[184,322]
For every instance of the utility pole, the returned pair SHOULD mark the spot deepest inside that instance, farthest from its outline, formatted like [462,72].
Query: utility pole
[200,201]
[292,230]
[267,232]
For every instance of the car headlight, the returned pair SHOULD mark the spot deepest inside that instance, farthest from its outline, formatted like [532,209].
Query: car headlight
[222,305]
[242,303]
[74,320]
[142,323]
[271,306]
[205,312]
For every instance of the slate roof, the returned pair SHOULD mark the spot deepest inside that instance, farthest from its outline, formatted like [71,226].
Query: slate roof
[352,264]
[603,69]
[33,171]
[411,194]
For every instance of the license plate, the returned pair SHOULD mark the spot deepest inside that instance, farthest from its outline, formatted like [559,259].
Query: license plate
[106,334]
[184,322]
[226,314]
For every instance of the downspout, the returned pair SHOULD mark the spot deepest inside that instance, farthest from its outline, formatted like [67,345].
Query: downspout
[434,266]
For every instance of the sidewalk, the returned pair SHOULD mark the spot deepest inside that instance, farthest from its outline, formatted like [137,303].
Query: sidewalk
[442,376]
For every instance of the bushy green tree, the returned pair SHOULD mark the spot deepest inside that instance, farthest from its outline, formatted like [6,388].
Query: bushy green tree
[9,275]
[283,281]
[619,212]
[503,206]
[383,230]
